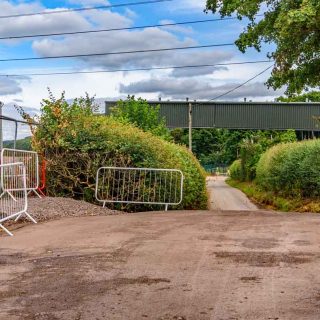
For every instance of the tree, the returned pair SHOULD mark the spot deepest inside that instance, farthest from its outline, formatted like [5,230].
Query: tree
[293,25]
[313,96]
[213,147]
[142,115]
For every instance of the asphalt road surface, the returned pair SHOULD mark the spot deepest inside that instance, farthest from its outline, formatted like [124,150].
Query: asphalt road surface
[223,197]
[174,265]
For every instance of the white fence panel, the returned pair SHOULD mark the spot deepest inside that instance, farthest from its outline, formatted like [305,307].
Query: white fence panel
[13,200]
[31,161]
[139,186]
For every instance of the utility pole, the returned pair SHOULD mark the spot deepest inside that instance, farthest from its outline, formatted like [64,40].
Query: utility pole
[190,125]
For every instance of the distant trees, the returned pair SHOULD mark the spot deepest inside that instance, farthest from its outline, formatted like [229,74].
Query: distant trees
[21,144]
[220,147]
[313,96]
[139,113]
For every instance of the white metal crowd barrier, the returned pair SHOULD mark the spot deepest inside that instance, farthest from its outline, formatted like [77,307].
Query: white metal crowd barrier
[14,200]
[31,161]
[139,186]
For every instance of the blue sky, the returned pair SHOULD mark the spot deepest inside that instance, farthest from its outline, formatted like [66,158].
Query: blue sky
[200,84]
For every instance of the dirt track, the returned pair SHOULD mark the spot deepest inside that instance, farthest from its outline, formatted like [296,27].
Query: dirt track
[223,197]
[175,265]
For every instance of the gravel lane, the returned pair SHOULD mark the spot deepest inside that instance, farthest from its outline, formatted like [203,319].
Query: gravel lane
[50,208]
[224,197]
[53,208]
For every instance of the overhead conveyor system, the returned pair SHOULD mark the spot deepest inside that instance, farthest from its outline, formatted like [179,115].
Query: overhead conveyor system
[239,115]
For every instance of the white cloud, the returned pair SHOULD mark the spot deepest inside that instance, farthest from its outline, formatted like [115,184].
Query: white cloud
[99,85]
[9,86]
[176,28]
[175,83]
[152,38]
[27,25]
[196,89]
[8,8]
[107,19]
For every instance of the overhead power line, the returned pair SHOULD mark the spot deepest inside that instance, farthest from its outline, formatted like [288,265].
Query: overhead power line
[116,53]
[135,69]
[170,24]
[242,84]
[82,9]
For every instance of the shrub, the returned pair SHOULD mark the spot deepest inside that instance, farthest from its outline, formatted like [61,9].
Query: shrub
[252,149]
[76,143]
[250,154]
[291,169]
[235,170]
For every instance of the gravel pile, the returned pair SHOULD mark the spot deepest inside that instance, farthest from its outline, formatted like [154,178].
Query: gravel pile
[50,208]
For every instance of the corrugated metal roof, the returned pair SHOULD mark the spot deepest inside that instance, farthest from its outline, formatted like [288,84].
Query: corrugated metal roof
[239,115]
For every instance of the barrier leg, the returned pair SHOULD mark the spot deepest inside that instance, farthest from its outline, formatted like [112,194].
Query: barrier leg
[6,230]
[41,192]
[166,208]
[30,218]
[36,192]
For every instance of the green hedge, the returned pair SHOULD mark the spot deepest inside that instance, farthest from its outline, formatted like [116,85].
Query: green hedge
[244,169]
[291,169]
[235,170]
[250,154]
[82,145]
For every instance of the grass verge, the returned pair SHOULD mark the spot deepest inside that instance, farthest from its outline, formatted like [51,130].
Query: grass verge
[269,200]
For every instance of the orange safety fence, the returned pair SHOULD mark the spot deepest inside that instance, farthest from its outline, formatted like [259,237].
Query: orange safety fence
[43,170]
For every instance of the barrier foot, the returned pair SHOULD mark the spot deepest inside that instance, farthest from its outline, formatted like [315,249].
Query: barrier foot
[17,218]
[6,230]
[30,218]
[36,192]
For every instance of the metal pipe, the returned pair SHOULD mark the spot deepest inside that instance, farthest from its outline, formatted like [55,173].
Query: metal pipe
[15,135]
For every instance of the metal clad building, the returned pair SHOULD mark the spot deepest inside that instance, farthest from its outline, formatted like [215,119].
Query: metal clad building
[239,115]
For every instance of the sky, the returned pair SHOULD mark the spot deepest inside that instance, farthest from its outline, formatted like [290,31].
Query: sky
[174,84]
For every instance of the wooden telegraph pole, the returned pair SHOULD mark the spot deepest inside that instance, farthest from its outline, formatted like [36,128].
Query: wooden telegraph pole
[190,125]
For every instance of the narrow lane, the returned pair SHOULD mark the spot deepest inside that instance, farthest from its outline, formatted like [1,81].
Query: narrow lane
[224,197]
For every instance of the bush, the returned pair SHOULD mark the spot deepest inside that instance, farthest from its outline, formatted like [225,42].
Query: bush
[235,170]
[76,143]
[291,169]
[252,149]
[250,154]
